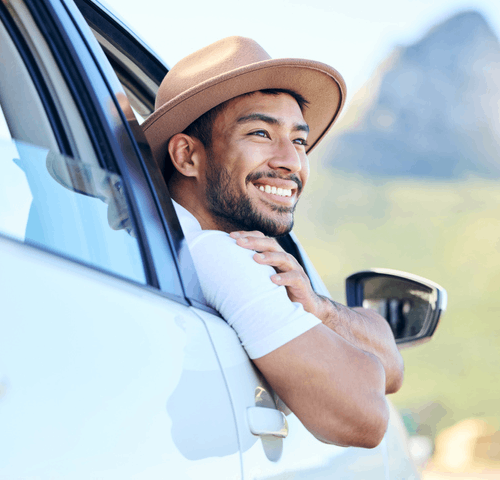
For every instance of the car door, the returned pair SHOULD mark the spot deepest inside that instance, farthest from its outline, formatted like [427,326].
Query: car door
[299,455]
[106,371]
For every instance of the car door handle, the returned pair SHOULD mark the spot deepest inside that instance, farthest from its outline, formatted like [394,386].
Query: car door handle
[267,421]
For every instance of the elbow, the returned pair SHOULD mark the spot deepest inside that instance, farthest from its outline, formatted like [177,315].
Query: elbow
[396,377]
[374,435]
[366,416]
[365,428]
[370,431]
[395,385]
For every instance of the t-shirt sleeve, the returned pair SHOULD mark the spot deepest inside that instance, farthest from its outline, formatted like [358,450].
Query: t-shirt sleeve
[241,290]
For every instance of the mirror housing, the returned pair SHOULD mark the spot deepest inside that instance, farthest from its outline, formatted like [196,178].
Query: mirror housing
[411,304]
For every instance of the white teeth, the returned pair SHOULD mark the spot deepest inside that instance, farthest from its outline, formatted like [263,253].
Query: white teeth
[282,192]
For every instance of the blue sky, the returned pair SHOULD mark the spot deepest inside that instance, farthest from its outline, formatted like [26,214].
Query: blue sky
[353,37]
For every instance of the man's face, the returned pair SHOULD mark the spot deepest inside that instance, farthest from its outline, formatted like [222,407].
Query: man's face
[108,188]
[257,165]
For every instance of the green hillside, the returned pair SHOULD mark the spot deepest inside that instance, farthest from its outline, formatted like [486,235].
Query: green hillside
[448,232]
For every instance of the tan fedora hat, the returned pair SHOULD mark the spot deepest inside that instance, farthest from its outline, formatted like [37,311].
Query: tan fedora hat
[232,67]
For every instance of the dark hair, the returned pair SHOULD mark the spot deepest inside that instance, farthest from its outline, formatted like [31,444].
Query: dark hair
[202,127]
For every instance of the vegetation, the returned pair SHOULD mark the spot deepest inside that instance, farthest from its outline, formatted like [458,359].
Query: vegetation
[448,232]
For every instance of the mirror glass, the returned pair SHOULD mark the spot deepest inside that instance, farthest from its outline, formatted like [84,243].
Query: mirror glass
[408,306]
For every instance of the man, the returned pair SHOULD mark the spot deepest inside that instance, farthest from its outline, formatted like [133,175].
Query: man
[232,129]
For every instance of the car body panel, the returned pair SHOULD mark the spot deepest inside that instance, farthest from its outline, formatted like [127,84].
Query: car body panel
[99,376]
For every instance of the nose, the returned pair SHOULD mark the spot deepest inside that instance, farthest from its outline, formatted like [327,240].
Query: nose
[118,216]
[287,157]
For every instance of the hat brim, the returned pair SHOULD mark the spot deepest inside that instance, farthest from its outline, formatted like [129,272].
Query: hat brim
[322,86]
[79,177]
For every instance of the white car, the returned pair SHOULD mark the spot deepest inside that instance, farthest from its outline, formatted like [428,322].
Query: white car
[111,364]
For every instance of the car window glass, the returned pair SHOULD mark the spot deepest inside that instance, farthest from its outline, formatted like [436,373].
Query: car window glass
[68,206]
[4,129]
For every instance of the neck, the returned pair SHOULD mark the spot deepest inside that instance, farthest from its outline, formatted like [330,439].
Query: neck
[187,197]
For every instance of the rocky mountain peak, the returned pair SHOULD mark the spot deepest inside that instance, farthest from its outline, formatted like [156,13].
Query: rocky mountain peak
[431,109]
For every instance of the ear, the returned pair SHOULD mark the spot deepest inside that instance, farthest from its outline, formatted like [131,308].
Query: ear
[185,153]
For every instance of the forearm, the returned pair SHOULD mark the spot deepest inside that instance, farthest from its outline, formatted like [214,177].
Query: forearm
[367,330]
[334,388]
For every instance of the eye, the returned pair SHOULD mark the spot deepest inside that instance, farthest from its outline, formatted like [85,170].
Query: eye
[301,141]
[118,186]
[260,133]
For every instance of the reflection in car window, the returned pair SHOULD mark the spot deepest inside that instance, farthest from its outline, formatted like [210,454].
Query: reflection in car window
[4,129]
[68,206]
[65,205]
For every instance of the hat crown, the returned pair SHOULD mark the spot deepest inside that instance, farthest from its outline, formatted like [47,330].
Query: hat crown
[223,56]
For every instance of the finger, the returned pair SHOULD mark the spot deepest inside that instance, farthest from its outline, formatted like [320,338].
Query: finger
[243,233]
[288,279]
[281,261]
[259,244]
[298,287]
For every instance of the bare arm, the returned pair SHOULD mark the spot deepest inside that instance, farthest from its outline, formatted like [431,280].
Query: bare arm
[334,388]
[363,328]
[369,331]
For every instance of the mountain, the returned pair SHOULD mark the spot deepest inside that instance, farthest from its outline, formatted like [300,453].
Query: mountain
[432,109]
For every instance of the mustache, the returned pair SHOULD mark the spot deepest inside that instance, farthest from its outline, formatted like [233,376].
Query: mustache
[253,177]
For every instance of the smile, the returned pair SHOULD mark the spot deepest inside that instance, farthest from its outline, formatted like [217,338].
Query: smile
[282,192]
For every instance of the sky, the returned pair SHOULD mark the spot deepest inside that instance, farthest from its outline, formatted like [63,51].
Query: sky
[353,37]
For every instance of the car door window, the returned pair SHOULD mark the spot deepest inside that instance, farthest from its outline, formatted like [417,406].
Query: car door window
[70,206]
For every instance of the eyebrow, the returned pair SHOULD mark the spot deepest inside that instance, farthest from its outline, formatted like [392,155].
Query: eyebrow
[271,121]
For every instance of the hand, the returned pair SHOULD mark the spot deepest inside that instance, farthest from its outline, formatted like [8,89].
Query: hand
[289,272]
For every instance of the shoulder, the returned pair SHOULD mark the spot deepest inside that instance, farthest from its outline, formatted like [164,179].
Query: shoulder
[215,252]
[241,290]
[203,238]
[229,276]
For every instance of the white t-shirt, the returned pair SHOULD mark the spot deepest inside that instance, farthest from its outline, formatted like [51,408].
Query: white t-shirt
[241,290]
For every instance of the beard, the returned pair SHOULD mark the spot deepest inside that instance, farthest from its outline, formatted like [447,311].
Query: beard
[235,211]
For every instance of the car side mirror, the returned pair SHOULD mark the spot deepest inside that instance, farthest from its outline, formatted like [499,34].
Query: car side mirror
[412,305]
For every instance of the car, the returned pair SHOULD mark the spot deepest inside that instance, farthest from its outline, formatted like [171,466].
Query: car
[111,363]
